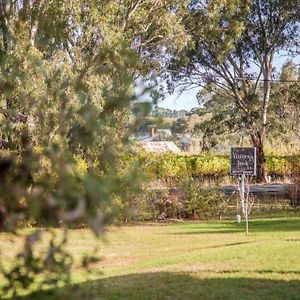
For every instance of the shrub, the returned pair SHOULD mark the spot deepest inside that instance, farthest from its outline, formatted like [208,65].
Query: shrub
[294,190]
[202,202]
[211,166]
[189,200]
[282,165]
[171,165]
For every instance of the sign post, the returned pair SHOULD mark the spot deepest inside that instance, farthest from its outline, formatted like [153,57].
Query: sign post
[243,161]
[242,164]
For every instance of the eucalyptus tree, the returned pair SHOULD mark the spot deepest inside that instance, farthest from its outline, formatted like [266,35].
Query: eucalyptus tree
[67,71]
[286,101]
[232,52]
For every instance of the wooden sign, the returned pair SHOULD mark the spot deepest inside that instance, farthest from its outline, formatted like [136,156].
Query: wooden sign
[243,161]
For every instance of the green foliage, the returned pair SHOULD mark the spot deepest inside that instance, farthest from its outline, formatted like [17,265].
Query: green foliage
[53,259]
[228,37]
[285,106]
[209,165]
[67,76]
[138,207]
[202,202]
[283,165]
[188,200]
[171,165]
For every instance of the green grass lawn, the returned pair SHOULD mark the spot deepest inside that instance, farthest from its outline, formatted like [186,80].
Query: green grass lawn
[204,260]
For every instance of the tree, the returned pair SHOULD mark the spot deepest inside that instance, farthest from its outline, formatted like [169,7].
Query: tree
[67,73]
[286,100]
[220,121]
[234,44]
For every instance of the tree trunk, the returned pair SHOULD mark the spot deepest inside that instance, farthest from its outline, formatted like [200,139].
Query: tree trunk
[260,158]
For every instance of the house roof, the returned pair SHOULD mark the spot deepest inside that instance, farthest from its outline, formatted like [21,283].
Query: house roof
[159,146]
[144,138]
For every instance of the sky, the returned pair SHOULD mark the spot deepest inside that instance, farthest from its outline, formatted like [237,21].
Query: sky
[187,100]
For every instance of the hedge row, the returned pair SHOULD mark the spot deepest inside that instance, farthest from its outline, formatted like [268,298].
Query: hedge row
[170,165]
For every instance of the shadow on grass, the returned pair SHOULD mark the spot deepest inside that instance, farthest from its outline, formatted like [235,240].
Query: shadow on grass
[165,285]
[266,225]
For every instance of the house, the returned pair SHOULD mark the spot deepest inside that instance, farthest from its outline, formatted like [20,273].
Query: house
[152,142]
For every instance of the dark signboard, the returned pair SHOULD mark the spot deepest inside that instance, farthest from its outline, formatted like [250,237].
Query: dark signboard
[243,160]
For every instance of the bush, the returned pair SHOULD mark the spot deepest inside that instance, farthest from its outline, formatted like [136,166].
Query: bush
[294,191]
[282,165]
[189,200]
[139,208]
[200,202]
[171,165]
[211,166]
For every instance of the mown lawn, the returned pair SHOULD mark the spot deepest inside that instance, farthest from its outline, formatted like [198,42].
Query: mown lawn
[205,260]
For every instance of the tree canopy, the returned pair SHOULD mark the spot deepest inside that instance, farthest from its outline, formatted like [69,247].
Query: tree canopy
[67,75]
[232,52]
